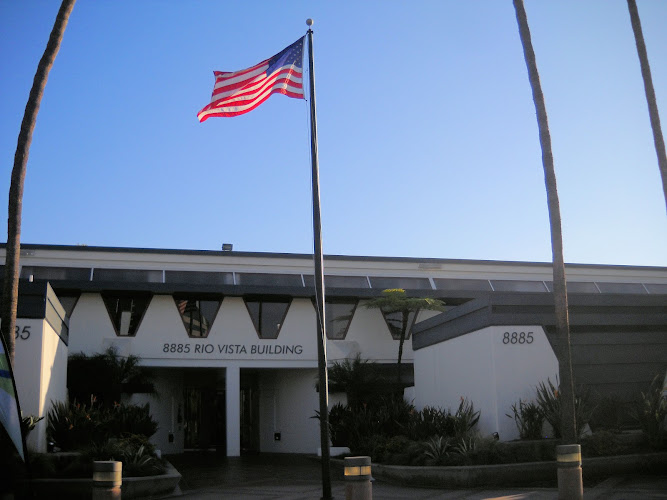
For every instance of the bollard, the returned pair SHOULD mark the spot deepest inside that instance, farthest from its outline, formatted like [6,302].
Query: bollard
[358,478]
[107,480]
[570,485]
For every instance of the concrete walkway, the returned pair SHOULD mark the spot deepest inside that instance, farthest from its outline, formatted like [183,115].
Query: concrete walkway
[295,477]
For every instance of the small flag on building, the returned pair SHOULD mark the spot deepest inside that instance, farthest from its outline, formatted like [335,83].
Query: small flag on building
[9,409]
[239,92]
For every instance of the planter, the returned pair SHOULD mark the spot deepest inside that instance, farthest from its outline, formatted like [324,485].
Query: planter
[81,488]
[515,474]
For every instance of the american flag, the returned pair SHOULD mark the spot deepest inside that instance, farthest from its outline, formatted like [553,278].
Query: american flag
[238,92]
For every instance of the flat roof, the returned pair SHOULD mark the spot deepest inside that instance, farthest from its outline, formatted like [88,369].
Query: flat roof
[349,258]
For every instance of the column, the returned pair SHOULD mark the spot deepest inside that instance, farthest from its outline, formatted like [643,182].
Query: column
[233,400]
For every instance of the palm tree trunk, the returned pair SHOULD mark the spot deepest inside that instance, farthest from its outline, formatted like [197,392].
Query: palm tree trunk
[13,248]
[568,420]
[658,138]
[404,332]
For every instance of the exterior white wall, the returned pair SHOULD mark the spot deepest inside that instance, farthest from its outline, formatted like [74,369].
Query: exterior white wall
[166,406]
[40,371]
[491,373]
[288,400]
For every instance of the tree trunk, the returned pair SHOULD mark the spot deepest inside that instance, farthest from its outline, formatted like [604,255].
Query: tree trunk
[13,248]
[658,138]
[568,419]
[404,332]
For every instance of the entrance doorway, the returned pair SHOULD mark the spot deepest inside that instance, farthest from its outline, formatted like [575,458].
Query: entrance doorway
[249,412]
[204,411]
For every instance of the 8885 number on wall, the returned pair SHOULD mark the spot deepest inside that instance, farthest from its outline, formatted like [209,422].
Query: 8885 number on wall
[517,338]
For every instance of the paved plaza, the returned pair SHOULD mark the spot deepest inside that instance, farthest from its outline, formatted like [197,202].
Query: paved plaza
[296,477]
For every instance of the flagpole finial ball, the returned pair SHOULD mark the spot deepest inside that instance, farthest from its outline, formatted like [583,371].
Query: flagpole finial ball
[309,22]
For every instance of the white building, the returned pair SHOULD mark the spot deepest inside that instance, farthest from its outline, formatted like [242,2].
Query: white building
[230,337]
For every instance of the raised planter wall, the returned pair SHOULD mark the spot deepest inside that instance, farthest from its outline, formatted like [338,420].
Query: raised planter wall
[515,474]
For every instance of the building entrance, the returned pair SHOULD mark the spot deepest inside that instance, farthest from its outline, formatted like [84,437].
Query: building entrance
[249,412]
[204,412]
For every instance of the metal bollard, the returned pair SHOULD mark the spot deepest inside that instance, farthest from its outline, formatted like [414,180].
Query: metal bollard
[570,484]
[107,480]
[358,478]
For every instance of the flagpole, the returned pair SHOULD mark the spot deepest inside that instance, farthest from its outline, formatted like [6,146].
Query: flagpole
[319,282]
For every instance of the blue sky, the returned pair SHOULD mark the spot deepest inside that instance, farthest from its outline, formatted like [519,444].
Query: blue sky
[428,142]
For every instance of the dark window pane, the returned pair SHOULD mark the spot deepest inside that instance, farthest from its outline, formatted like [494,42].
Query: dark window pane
[126,311]
[197,314]
[56,273]
[339,316]
[394,321]
[267,316]
[265,279]
[518,286]
[128,275]
[385,283]
[338,281]
[199,277]
[620,287]
[461,284]
[68,302]
[656,288]
[576,287]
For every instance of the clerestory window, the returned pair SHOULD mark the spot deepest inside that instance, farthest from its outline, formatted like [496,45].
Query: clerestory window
[197,314]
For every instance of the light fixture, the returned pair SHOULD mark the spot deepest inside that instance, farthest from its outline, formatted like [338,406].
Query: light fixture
[227,247]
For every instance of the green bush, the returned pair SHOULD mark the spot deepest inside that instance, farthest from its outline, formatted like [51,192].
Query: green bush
[548,398]
[528,418]
[610,414]
[437,450]
[601,443]
[650,412]
[75,426]
[429,422]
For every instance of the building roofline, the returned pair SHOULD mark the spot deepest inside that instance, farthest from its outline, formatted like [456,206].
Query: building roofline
[221,253]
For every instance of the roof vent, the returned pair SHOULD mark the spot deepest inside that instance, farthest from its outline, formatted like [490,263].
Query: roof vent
[227,247]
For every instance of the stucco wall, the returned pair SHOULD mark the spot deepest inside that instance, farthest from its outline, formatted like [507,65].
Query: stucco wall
[489,370]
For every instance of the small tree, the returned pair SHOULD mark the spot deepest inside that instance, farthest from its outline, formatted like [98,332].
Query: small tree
[394,301]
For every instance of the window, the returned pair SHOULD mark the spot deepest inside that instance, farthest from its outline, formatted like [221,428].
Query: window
[267,315]
[128,275]
[197,314]
[199,277]
[606,287]
[394,321]
[56,273]
[266,279]
[576,286]
[461,284]
[333,281]
[518,286]
[385,283]
[68,301]
[126,311]
[339,314]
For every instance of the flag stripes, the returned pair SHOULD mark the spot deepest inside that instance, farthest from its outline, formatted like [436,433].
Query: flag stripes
[239,92]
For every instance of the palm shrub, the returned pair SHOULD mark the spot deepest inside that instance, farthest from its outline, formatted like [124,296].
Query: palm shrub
[431,421]
[650,412]
[465,418]
[73,426]
[548,398]
[528,418]
[437,450]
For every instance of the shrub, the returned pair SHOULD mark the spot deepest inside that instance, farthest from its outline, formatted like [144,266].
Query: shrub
[528,418]
[548,398]
[465,418]
[610,413]
[429,422]
[650,412]
[75,426]
[601,443]
[437,450]
[72,426]
[339,424]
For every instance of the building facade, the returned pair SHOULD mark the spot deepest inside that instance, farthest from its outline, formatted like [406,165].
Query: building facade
[230,338]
